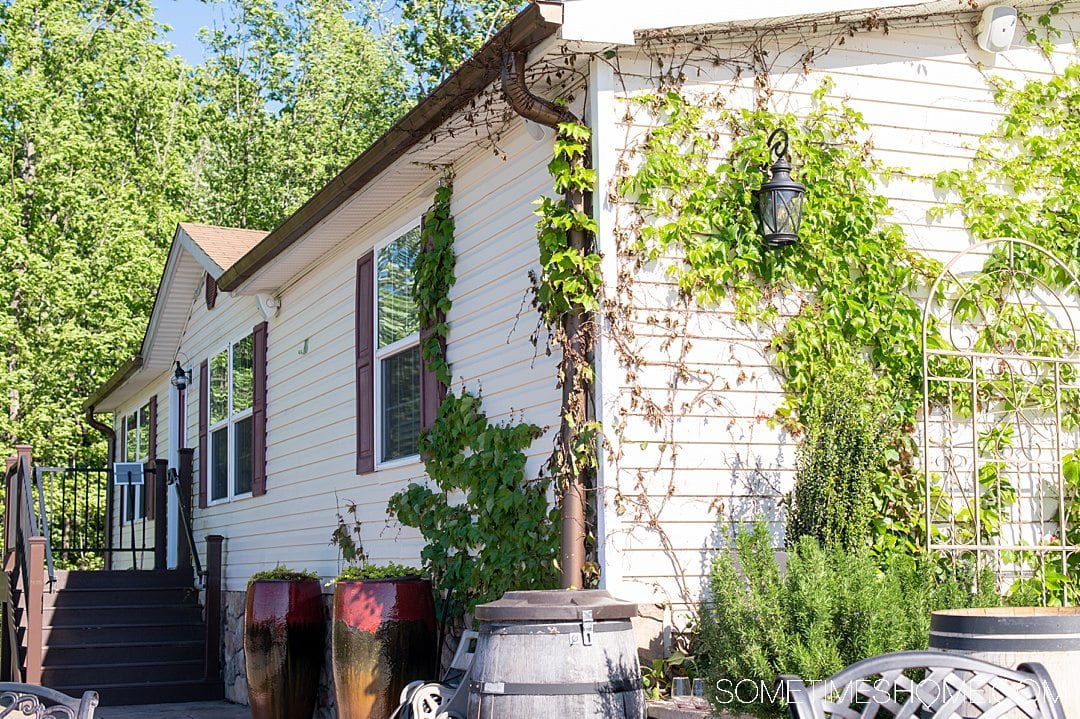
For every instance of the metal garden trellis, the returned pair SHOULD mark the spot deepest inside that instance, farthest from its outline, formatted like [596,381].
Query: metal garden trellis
[1001,409]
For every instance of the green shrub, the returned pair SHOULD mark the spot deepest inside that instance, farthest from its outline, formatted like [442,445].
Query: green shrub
[846,430]
[831,608]
[375,571]
[283,573]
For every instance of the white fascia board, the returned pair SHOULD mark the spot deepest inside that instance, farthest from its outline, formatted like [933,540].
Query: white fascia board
[615,21]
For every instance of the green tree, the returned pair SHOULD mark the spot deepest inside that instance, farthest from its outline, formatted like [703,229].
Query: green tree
[438,35]
[288,97]
[96,133]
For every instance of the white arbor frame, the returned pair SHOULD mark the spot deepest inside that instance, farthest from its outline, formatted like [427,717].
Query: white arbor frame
[1001,404]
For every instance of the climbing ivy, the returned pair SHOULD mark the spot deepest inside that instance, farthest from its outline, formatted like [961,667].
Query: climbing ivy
[850,282]
[567,295]
[1023,183]
[569,278]
[852,274]
[433,276]
[487,528]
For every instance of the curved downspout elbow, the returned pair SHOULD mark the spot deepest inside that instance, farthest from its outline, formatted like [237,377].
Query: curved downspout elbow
[110,438]
[526,104]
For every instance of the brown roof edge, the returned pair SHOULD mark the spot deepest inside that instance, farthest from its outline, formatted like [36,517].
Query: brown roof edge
[118,378]
[527,30]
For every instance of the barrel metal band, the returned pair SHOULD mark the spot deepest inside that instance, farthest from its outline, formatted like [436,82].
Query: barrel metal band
[555,628]
[567,689]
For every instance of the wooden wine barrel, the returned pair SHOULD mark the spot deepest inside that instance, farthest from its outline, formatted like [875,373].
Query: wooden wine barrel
[539,656]
[283,647]
[1008,636]
[383,637]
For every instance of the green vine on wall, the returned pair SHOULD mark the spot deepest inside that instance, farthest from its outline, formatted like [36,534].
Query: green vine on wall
[433,276]
[849,283]
[1023,183]
[567,295]
[487,528]
[569,280]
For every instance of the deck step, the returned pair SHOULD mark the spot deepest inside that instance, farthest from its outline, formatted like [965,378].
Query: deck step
[163,692]
[122,614]
[108,596]
[115,653]
[135,637]
[122,579]
[92,675]
[120,633]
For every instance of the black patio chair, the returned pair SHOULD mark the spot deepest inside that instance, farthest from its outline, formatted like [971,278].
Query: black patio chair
[30,700]
[926,685]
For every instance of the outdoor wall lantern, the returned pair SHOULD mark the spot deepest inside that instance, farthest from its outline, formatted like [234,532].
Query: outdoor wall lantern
[180,378]
[780,198]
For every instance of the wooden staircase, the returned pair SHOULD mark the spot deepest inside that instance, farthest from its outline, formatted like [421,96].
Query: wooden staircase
[135,637]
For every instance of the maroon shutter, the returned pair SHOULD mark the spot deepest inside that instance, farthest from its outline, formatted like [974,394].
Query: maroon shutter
[204,416]
[365,364]
[432,391]
[151,443]
[211,292]
[258,411]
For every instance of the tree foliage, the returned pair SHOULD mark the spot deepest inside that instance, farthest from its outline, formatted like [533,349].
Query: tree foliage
[109,140]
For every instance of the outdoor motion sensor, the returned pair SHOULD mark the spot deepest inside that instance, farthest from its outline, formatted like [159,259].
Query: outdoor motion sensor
[996,28]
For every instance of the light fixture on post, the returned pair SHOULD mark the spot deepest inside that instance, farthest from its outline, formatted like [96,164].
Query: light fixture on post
[180,378]
[780,198]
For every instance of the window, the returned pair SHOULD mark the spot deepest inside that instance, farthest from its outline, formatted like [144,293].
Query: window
[230,421]
[136,449]
[397,353]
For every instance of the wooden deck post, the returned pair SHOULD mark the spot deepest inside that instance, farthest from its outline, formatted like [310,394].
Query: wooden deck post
[213,607]
[35,609]
[9,513]
[161,515]
[184,477]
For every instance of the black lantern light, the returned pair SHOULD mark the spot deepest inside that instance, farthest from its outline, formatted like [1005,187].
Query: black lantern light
[179,379]
[780,198]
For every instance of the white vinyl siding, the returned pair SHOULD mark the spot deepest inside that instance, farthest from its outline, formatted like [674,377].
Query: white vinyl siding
[311,403]
[922,89]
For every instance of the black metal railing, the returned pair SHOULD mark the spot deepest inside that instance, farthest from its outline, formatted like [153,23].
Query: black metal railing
[97,522]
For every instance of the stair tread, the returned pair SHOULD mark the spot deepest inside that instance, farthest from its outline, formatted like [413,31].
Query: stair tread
[151,643]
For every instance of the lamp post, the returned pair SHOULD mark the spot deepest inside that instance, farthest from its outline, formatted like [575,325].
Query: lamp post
[780,198]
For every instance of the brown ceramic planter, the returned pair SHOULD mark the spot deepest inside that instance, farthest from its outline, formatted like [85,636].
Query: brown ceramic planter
[383,638]
[283,647]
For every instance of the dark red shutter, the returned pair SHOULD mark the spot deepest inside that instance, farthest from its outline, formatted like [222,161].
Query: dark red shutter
[365,364]
[432,391]
[204,416]
[149,488]
[258,411]
[211,292]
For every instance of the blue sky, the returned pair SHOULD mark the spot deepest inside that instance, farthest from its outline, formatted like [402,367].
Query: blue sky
[186,17]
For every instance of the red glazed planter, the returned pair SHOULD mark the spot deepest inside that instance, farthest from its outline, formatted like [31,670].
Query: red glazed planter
[383,638]
[283,647]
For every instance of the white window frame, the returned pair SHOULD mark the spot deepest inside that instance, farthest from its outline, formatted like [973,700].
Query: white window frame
[229,422]
[381,353]
[142,423]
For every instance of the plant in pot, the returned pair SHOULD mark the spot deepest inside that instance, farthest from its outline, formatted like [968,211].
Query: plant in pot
[383,632]
[283,643]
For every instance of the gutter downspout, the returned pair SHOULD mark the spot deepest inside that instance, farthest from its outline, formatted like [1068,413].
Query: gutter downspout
[545,112]
[110,438]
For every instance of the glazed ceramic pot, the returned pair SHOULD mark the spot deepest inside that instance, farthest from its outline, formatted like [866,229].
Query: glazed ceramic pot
[384,637]
[283,647]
